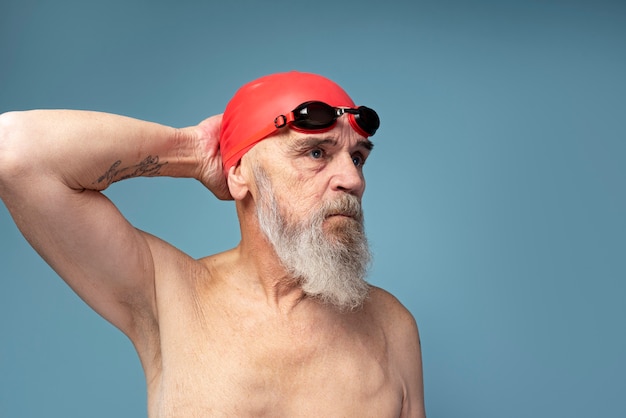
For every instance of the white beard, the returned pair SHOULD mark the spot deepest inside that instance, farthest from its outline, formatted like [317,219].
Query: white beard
[330,268]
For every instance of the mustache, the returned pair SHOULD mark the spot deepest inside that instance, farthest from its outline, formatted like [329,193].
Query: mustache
[346,205]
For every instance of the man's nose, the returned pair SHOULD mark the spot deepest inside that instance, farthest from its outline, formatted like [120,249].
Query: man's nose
[347,177]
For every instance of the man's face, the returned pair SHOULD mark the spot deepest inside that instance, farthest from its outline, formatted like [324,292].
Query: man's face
[309,190]
[307,169]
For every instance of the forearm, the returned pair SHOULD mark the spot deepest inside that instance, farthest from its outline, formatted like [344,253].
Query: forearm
[91,150]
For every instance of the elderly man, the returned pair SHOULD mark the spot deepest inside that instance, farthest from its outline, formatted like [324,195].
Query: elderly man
[282,325]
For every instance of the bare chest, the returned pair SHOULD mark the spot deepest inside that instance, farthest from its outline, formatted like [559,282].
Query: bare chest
[264,367]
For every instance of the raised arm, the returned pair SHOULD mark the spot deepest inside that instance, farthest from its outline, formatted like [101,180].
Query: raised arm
[53,166]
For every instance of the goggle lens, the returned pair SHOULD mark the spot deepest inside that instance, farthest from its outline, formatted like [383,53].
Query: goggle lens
[367,119]
[314,115]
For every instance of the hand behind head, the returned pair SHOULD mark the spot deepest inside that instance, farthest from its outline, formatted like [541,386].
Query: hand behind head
[210,170]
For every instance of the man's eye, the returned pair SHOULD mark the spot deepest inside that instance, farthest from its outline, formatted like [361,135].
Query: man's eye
[317,153]
[358,161]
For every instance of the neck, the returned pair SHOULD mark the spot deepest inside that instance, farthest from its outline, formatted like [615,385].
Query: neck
[261,268]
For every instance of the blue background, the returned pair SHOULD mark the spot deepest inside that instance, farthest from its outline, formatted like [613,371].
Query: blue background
[495,204]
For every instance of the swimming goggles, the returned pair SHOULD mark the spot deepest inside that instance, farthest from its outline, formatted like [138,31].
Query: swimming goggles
[319,116]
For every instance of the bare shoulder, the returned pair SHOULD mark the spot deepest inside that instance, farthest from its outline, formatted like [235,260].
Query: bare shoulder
[398,325]
[391,313]
[405,354]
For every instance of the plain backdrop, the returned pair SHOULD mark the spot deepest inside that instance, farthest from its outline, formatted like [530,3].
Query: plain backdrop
[495,203]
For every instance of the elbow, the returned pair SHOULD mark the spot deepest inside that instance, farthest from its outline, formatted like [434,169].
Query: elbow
[13,147]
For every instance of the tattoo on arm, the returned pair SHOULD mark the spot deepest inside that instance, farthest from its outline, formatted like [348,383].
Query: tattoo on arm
[149,167]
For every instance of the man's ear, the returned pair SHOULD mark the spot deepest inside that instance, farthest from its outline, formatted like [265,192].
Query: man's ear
[237,182]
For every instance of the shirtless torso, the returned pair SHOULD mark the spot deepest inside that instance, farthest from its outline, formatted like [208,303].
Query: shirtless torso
[220,351]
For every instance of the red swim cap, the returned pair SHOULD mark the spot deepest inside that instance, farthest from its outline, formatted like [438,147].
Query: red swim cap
[255,106]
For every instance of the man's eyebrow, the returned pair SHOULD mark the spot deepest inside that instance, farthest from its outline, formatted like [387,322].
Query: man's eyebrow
[312,142]
[367,144]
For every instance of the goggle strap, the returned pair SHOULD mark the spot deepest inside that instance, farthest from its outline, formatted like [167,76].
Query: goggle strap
[282,120]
